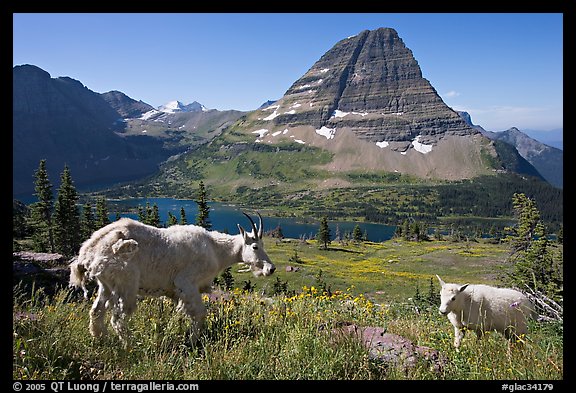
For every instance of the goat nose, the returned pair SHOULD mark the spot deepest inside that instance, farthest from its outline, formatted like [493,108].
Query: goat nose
[272,269]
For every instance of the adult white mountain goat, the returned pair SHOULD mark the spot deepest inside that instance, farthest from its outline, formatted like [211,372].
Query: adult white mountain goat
[483,308]
[128,258]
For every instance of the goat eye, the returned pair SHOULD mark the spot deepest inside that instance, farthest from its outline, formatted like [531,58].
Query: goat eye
[453,298]
[255,247]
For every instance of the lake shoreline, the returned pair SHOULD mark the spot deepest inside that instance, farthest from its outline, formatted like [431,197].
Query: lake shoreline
[225,216]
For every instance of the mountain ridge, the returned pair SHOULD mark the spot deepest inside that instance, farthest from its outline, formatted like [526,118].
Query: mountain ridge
[366,102]
[547,160]
[98,136]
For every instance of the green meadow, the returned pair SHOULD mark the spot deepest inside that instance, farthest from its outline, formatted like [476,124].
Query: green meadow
[279,327]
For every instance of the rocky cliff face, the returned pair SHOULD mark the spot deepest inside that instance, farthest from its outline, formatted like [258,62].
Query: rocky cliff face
[100,137]
[62,121]
[124,105]
[371,84]
[365,101]
[549,161]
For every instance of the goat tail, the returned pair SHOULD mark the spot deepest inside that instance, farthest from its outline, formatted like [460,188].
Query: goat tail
[78,276]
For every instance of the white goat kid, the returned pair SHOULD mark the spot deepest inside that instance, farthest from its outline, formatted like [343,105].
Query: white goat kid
[128,258]
[483,308]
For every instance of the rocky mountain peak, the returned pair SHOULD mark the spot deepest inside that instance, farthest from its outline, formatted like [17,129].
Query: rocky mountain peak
[371,84]
[177,106]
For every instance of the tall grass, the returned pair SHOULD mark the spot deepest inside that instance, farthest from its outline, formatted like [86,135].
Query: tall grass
[247,336]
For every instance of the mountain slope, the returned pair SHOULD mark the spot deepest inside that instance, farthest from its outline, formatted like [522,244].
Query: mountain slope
[363,107]
[124,105]
[547,160]
[62,121]
[101,137]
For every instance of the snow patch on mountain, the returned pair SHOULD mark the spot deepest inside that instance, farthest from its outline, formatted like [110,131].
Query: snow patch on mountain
[326,132]
[421,147]
[177,106]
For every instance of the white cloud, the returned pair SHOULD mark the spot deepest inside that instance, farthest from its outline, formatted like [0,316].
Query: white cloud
[451,94]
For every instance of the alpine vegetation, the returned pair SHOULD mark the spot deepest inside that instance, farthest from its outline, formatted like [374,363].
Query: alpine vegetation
[128,258]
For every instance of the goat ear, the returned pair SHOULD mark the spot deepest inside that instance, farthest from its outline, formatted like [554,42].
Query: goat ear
[463,287]
[129,246]
[242,231]
[442,283]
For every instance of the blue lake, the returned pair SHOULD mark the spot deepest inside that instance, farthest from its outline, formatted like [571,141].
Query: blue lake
[224,217]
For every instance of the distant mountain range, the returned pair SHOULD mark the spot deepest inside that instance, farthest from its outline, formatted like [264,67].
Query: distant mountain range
[365,105]
[362,108]
[546,159]
[103,138]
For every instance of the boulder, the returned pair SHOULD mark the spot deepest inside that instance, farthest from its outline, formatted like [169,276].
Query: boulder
[392,349]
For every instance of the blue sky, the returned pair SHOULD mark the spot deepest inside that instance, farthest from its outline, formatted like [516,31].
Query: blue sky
[504,69]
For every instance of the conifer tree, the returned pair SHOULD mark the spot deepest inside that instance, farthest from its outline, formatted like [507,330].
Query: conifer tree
[67,236]
[149,215]
[88,222]
[41,212]
[154,218]
[142,217]
[101,213]
[172,220]
[324,233]
[357,234]
[406,229]
[183,220]
[202,219]
[533,262]
[148,218]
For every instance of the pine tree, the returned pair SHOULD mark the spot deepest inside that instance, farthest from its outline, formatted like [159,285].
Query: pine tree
[41,212]
[88,222]
[324,233]
[433,296]
[357,234]
[415,230]
[202,219]
[154,218]
[67,236]
[101,213]
[172,220]
[148,218]
[183,220]
[533,262]
[142,215]
[406,229]
[149,215]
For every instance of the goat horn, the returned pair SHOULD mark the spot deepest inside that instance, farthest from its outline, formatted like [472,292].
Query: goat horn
[254,229]
[261,229]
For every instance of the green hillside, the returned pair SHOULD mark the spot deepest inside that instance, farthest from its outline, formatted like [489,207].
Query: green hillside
[291,179]
[281,329]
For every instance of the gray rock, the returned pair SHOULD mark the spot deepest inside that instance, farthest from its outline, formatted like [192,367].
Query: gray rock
[292,268]
[375,79]
[391,348]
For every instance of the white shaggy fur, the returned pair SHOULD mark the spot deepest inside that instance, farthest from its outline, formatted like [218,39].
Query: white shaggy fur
[483,308]
[128,258]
